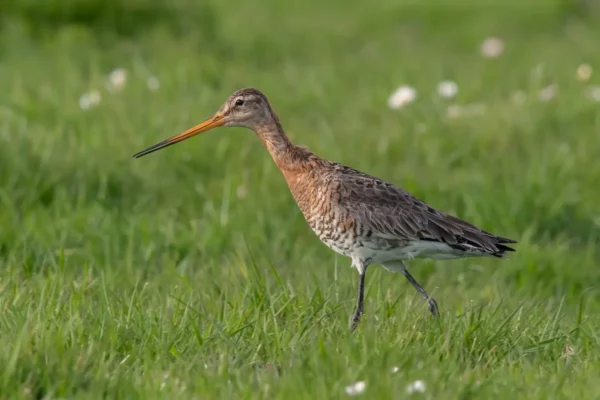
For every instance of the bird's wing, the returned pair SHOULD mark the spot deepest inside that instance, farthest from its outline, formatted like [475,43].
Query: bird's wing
[390,212]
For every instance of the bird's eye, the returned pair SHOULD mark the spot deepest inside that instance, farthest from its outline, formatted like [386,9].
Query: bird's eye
[239,102]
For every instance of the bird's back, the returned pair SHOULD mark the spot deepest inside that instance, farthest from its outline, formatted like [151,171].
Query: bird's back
[352,212]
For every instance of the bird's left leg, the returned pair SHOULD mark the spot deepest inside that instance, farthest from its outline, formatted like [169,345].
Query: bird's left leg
[399,266]
[362,270]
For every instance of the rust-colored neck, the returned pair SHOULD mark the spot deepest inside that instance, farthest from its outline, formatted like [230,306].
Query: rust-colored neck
[275,140]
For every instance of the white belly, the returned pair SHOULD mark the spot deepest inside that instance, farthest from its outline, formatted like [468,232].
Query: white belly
[413,249]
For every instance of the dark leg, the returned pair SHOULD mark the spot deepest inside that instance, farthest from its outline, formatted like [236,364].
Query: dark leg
[359,304]
[433,307]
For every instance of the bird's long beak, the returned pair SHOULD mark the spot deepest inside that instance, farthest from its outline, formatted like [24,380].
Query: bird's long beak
[216,120]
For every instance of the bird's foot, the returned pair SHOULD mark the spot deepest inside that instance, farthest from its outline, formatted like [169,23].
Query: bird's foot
[433,307]
[355,320]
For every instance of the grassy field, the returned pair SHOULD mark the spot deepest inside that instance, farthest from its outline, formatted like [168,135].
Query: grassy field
[190,273]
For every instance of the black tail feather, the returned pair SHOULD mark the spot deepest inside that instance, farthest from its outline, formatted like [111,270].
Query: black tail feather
[499,244]
[500,239]
[502,247]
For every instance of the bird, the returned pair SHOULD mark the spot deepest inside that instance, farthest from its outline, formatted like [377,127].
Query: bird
[365,218]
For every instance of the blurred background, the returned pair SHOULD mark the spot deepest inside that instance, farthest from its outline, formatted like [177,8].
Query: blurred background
[115,273]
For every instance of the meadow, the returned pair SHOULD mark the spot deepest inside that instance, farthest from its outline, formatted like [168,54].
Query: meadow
[190,273]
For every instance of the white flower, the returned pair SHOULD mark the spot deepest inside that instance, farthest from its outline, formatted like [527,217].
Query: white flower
[117,79]
[89,100]
[568,351]
[163,384]
[584,72]
[593,93]
[548,93]
[356,388]
[153,83]
[492,47]
[417,386]
[402,96]
[447,89]
[395,370]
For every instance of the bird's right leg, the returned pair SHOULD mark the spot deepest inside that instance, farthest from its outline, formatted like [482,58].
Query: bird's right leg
[362,270]
[399,266]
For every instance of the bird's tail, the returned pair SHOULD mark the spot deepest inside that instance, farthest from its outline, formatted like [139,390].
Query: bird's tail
[501,244]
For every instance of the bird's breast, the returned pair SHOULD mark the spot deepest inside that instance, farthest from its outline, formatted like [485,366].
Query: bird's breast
[318,199]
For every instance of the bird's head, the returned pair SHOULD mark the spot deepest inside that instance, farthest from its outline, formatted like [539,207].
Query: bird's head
[248,108]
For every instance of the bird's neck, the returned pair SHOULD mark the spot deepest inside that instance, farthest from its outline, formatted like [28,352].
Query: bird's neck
[272,136]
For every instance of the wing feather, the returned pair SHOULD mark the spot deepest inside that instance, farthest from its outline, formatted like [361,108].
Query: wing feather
[390,212]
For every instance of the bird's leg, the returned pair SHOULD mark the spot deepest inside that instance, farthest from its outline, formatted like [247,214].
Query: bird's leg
[361,295]
[433,307]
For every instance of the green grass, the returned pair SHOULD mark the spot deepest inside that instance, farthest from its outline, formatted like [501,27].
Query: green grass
[190,273]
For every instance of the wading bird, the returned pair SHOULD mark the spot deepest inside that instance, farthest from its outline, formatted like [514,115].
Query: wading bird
[356,214]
